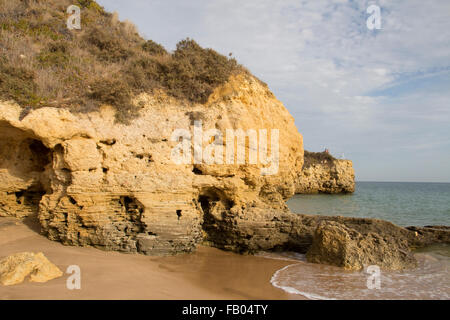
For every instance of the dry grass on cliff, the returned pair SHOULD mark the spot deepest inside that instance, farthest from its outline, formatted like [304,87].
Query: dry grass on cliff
[42,63]
[323,158]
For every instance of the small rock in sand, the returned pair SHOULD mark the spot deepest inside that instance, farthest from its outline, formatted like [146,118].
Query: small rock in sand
[15,268]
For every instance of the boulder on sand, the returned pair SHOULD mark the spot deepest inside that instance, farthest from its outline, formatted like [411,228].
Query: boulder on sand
[15,268]
[336,244]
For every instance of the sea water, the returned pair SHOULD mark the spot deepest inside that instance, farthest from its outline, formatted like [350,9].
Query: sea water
[403,203]
[406,204]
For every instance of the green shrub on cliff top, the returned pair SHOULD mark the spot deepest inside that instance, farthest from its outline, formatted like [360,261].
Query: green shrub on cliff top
[45,64]
[153,48]
[17,83]
[323,158]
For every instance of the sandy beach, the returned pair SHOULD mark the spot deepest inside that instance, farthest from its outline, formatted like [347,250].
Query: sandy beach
[208,273]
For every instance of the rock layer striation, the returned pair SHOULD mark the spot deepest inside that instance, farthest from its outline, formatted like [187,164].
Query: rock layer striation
[325,175]
[92,181]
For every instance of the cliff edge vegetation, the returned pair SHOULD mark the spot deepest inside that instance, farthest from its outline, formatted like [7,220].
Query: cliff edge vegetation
[44,64]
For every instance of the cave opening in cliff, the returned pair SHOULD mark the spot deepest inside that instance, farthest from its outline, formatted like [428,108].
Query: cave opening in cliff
[214,205]
[27,201]
[134,211]
[23,162]
[197,171]
[41,155]
[38,157]
[206,203]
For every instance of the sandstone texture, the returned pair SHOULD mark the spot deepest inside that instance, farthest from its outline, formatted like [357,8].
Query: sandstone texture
[17,267]
[93,182]
[272,230]
[335,244]
[327,176]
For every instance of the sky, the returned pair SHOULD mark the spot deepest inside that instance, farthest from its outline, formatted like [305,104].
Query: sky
[379,97]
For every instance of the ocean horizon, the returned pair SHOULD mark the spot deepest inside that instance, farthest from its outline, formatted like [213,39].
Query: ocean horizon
[403,203]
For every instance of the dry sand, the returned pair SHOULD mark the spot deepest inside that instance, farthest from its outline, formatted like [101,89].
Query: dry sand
[206,274]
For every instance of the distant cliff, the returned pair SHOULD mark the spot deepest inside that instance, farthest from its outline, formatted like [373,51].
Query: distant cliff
[322,173]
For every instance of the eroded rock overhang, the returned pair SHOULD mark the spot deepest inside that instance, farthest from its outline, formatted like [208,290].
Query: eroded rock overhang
[91,181]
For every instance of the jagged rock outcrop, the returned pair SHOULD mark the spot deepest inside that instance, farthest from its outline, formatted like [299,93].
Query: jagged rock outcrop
[17,267]
[335,244]
[367,240]
[328,175]
[260,230]
[91,181]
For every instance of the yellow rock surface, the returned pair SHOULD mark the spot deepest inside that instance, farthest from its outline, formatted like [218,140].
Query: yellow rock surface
[335,177]
[93,182]
[17,267]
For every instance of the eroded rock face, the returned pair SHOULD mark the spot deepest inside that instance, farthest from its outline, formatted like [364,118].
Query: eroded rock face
[428,235]
[91,181]
[335,244]
[17,267]
[336,176]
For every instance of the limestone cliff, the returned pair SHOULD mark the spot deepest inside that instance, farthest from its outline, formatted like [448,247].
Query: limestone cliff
[17,267]
[322,173]
[92,181]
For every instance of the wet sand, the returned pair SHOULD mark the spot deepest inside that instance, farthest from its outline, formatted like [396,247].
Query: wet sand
[208,273]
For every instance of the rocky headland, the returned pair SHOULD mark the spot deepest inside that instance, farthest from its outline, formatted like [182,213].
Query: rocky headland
[322,173]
